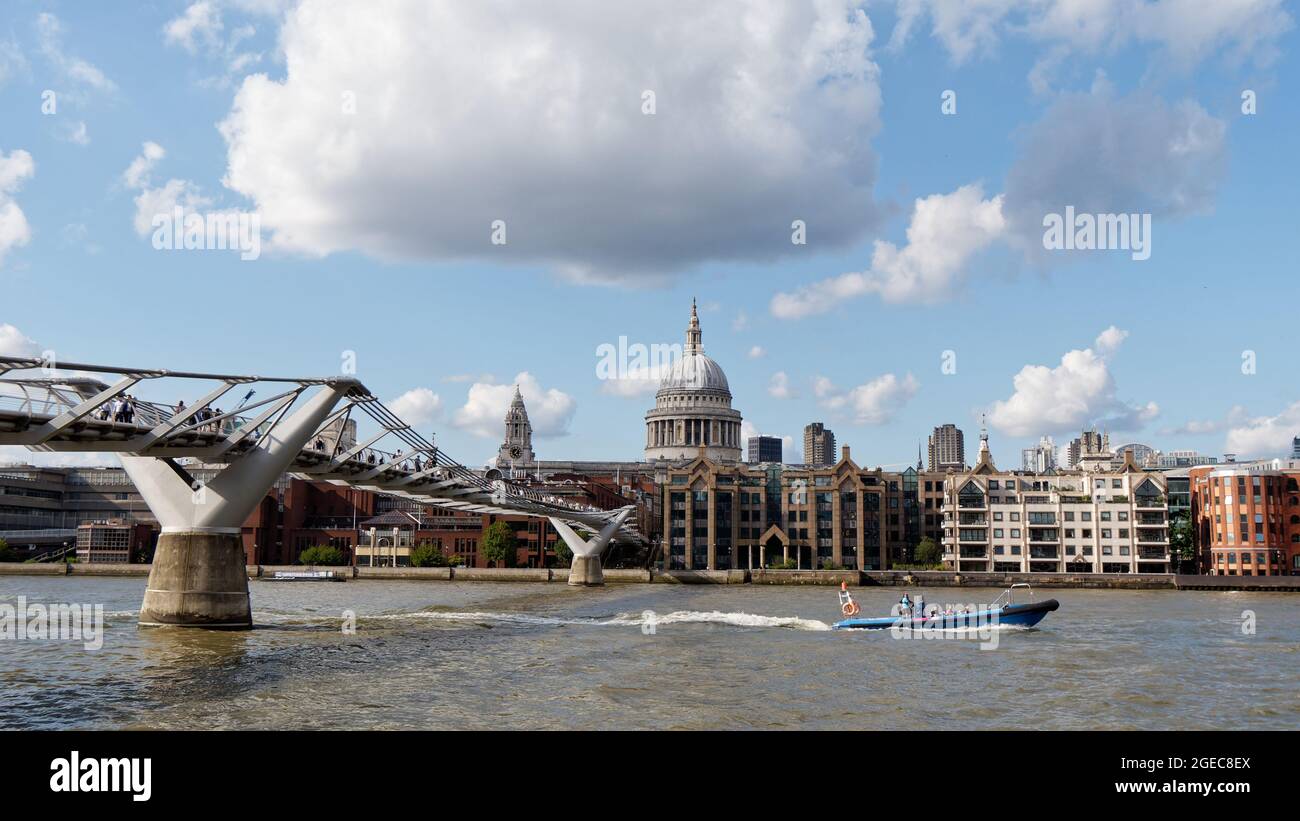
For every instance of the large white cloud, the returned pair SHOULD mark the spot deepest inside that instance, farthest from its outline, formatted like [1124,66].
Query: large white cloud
[531,113]
[1095,151]
[550,410]
[1185,30]
[418,407]
[872,403]
[15,167]
[1076,393]
[945,232]
[1266,436]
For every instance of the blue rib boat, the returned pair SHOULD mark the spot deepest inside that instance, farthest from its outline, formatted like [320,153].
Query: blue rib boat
[1002,611]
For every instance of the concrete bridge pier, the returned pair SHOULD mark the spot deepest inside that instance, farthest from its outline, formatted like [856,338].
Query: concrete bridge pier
[585,569]
[198,577]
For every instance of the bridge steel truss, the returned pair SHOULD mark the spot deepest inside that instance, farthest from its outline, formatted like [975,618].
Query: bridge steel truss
[198,577]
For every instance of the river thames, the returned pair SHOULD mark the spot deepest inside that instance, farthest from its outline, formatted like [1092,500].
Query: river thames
[430,655]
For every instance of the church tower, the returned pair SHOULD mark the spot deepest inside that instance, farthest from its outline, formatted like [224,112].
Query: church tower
[517,450]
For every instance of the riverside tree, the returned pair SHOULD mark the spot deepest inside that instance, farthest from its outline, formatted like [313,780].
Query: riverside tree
[499,544]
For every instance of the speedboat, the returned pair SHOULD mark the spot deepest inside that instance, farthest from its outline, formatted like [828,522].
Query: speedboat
[1002,611]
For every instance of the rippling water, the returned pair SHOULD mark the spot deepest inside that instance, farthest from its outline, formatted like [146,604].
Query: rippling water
[490,656]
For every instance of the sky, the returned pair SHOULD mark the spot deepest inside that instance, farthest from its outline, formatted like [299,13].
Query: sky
[461,197]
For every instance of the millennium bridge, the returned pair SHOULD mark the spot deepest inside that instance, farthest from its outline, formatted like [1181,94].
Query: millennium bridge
[198,577]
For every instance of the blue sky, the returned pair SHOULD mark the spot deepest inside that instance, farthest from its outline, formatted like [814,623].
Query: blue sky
[375,228]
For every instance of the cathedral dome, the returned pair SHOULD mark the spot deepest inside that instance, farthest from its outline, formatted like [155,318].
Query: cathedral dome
[692,415]
[694,371]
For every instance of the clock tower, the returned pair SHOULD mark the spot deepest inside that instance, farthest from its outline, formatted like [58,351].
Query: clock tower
[517,450]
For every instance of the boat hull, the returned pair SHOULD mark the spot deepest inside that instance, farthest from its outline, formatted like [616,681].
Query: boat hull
[1018,615]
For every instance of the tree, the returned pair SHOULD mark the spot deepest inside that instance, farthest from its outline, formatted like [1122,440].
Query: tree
[563,555]
[429,555]
[322,554]
[499,544]
[928,553]
[1182,540]
[7,553]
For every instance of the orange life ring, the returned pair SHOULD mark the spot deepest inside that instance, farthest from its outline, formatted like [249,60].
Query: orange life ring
[851,609]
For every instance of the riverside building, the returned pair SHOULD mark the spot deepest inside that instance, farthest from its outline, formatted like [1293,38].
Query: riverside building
[1091,520]
[1246,517]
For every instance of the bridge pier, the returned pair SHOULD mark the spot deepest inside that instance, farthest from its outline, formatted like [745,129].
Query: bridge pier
[585,569]
[198,577]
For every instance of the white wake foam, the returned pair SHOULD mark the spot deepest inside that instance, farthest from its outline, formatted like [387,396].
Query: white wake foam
[621,620]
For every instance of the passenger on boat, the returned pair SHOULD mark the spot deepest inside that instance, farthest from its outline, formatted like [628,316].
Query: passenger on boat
[906,604]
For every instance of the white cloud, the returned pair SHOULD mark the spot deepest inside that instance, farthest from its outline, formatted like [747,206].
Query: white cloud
[1076,393]
[946,230]
[199,25]
[1186,31]
[466,113]
[14,342]
[1266,436]
[1109,340]
[779,386]
[137,173]
[873,403]
[741,322]
[418,407]
[15,167]
[550,410]
[757,352]
[49,33]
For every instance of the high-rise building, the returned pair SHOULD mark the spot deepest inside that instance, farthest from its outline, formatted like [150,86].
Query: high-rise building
[1091,447]
[818,445]
[1295,448]
[1039,459]
[947,448]
[764,449]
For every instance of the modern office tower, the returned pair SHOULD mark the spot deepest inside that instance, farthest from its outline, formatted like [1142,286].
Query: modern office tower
[764,449]
[1091,446]
[1039,459]
[947,448]
[818,445]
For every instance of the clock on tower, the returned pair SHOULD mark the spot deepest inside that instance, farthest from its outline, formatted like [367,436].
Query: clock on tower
[517,450]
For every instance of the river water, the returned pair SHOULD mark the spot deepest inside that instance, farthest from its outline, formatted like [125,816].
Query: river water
[430,655]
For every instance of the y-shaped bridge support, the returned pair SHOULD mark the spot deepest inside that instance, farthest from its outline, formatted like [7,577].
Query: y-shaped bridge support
[199,577]
[585,569]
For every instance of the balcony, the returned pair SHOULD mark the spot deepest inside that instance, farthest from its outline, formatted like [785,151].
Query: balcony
[1043,553]
[974,552]
[1149,554]
[1150,502]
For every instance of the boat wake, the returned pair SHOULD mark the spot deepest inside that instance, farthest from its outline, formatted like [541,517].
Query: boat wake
[646,618]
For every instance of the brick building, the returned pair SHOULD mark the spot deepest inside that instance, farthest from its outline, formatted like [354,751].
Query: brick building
[1246,517]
